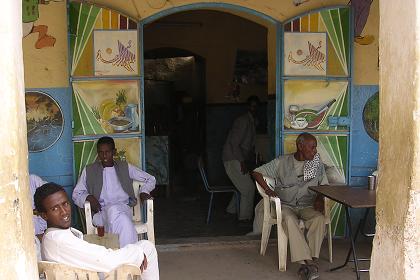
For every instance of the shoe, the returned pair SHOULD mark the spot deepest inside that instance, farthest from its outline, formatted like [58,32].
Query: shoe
[308,272]
[312,272]
[303,272]
[364,40]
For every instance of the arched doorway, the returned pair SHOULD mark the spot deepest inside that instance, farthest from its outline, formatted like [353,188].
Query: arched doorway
[223,48]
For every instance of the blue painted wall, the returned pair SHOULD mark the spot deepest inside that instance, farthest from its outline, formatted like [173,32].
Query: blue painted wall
[56,163]
[364,150]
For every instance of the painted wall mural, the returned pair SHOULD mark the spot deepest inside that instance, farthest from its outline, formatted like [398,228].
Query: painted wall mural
[30,14]
[371,117]
[318,45]
[92,28]
[44,120]
[361,14]
[115,52]
[308,103]
[305,54]
[105,107]
[336,24]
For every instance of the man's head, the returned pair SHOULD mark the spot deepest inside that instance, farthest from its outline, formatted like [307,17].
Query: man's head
[253,102]
[106,151]
[306,146]
[52,204]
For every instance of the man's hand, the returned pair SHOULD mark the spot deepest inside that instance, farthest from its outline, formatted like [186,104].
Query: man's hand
[270,192]
[319,204]
[143,265]
[145,196]
[244,170]
[94,203]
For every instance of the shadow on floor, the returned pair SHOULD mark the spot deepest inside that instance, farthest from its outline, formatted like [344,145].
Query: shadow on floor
[182,216]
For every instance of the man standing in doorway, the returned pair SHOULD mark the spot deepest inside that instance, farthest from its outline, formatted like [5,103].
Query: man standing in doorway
[237,152]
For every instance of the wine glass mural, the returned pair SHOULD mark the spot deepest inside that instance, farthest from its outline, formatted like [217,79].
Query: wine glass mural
[307,104]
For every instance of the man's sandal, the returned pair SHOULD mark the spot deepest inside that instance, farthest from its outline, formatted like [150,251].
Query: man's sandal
[312,272]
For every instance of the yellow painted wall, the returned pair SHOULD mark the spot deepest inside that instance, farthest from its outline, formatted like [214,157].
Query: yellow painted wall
[48,67]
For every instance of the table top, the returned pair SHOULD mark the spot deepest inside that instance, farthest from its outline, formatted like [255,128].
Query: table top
[353,197]
[109,240]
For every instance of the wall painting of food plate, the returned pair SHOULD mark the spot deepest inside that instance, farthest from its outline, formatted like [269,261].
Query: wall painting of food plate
[305,54]
[128,149]
[333,152]
[44,120]
[115,52]
[104,107]
[307,104]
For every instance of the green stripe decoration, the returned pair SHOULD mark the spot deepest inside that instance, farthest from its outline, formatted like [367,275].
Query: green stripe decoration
[333,24]
[84,154]
[85,122]
[82,21]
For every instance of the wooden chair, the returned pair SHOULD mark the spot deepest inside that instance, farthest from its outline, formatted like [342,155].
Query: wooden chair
[272,216]
[144,224]
[57,271]
[216,189]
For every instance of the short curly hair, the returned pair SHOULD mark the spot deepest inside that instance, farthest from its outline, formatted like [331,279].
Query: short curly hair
[106,140]
[43,192]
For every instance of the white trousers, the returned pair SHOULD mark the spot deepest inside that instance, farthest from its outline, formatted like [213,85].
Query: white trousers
[152,271]
[118,219]
[244,184]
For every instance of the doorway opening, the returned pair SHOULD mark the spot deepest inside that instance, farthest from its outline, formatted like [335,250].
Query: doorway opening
[199,68]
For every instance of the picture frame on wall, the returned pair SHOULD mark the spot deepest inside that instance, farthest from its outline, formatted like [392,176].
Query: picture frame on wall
[115,52]
[305,54]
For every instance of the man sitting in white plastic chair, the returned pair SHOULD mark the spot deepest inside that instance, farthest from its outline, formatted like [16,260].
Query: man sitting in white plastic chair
[63,244]
[108,185]
[294,173]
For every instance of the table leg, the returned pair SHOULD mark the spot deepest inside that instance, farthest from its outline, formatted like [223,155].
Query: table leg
[353,239]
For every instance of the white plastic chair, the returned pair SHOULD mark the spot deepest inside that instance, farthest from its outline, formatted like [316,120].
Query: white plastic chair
[142,226]
[272,216]
[58,271]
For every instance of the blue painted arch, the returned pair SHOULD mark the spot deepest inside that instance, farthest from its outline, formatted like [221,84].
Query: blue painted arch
[223,7]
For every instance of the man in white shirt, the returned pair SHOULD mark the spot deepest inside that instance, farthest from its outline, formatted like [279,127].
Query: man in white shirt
[65,245]
[108,185]
[39,223]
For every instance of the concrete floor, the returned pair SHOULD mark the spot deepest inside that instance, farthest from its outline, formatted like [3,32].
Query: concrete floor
[238,258]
